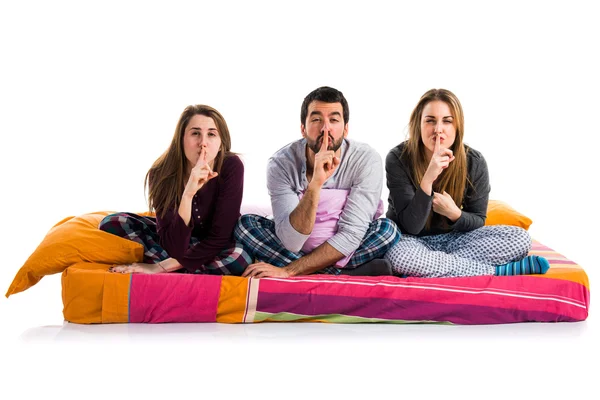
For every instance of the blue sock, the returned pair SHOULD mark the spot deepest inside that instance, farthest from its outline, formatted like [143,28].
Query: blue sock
[527,266]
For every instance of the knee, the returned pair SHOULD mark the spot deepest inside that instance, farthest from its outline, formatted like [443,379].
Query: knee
[110,220]
[240,228]
[523,238]
[397,252]
[251,221]
[246,224]
[519,237]
[400,257]
[389,230]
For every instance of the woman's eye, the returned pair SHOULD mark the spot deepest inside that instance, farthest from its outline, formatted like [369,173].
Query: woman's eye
[212,134]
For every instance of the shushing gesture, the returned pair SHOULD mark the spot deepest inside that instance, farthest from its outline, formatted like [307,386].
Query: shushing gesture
[440,160]
[200,174]
[326,162]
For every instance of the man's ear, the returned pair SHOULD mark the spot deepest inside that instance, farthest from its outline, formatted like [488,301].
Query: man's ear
[345,131]
[303,130]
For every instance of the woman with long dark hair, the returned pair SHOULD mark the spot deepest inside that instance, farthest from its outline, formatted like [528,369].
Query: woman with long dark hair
[196,189]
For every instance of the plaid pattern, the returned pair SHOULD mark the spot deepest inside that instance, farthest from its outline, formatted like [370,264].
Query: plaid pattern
[232,261]
[138,229]
[142,230]
[257,235]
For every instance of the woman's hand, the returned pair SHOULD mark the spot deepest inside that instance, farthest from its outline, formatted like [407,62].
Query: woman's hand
[200,174]
[440,160]
[444,204]
[137,268]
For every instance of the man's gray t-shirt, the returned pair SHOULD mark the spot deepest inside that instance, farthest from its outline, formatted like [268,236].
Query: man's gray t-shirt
[360,171]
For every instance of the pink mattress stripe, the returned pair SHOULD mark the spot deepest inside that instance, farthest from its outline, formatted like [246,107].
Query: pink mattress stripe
[173,298]
[484,291]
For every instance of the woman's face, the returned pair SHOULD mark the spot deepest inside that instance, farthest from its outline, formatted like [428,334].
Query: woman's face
[201,132]
[437,119]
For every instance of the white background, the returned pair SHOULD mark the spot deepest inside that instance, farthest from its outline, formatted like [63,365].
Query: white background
[89,97]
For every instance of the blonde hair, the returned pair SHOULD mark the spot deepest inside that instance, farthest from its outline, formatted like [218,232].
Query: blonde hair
[166,178]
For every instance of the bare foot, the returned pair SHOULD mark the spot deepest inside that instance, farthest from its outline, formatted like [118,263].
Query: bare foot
[140,268]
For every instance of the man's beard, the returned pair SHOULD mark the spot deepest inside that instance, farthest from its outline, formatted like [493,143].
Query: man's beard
[316,145]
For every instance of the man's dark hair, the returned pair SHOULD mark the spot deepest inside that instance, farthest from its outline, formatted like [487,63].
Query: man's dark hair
[327,95]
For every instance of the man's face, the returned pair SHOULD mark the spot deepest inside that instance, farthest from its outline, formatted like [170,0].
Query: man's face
[324,118]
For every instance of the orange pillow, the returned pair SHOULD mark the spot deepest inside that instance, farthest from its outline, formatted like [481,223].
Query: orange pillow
[73,240]
[500,213]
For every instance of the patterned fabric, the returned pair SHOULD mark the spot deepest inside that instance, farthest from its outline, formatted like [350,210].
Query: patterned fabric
[91,295]
[257,235]
[410,207]
[459,254]
[527,266]
[140,229]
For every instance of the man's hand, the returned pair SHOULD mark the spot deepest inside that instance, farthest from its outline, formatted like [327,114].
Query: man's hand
[325,162]
[265,270]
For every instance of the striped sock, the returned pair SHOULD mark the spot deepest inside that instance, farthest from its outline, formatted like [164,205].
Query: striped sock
[528,265]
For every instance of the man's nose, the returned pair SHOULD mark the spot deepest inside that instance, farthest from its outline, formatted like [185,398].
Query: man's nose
[326,128]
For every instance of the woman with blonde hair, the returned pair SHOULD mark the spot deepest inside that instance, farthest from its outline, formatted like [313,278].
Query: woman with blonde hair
[439,190]
[196,189]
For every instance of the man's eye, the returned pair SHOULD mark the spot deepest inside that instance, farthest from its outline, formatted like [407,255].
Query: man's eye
[316,120]
[335,120]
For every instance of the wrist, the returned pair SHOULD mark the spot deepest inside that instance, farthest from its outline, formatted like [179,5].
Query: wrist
[314,186]
[169,265]
[161,267]
[290,270]
[455,215]
[187,196]
[427,186]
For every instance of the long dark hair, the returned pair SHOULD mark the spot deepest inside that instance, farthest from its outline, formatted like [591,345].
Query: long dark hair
[166,178]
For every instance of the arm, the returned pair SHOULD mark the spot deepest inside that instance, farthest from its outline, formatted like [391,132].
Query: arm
[295,219]
[475,204]
[321,257]
[227,211]
[410,205]
[303,217]
[358,213]
[175,234]
[199,175]
[284,200]
[362,202]
[174,228]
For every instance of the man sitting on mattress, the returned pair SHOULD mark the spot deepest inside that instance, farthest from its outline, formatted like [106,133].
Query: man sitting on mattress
[326,196]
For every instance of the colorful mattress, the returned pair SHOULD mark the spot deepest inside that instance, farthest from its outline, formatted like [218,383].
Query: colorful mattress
[93,295]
